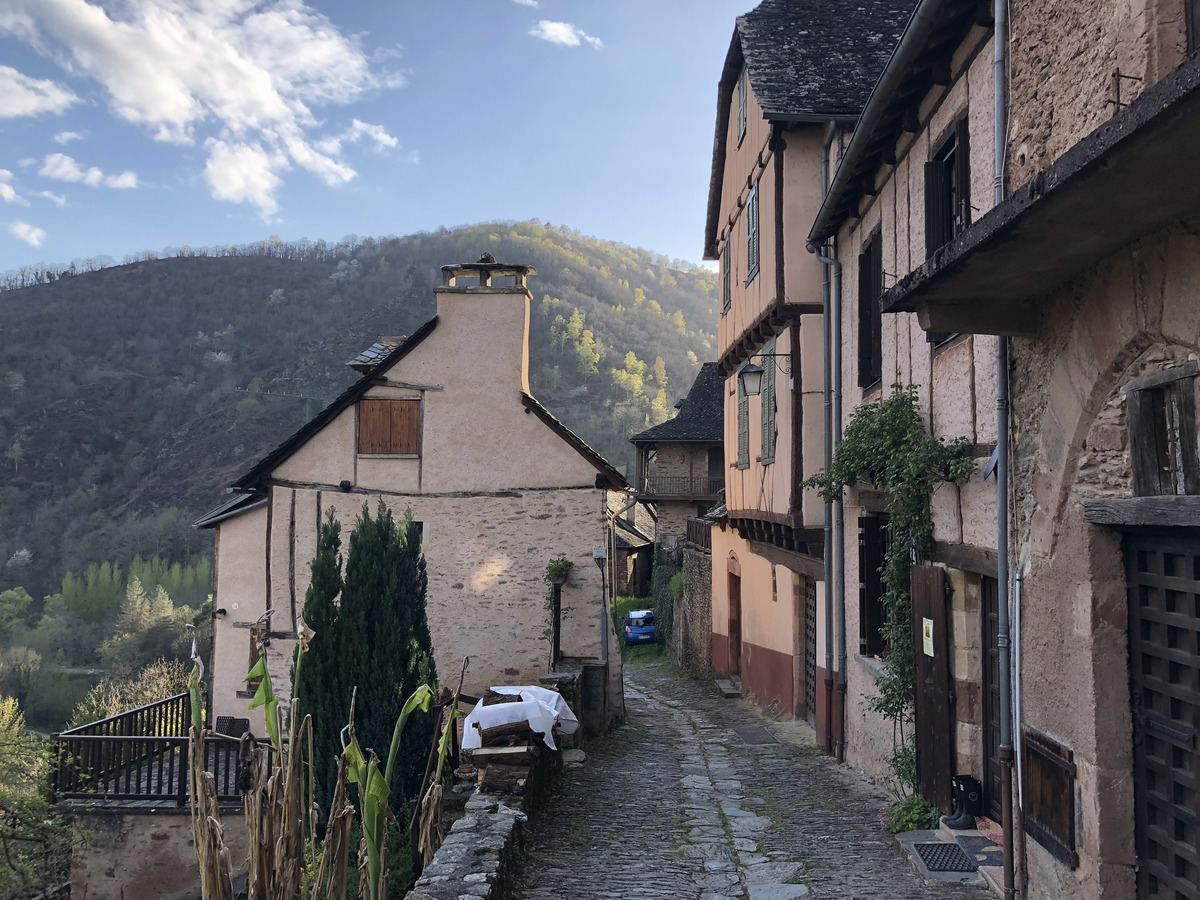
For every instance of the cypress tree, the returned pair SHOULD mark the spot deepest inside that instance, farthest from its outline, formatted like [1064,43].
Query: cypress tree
[319,685]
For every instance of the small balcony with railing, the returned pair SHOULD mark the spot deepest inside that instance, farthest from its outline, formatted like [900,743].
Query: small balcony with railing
[680,487]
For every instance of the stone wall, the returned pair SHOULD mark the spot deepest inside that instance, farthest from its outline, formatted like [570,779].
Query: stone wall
[691,637]
[150,853]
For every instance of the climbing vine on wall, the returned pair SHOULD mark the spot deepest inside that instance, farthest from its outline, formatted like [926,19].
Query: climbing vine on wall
[887,445]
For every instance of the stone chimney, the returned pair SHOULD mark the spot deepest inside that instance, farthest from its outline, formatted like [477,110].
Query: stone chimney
[489,321]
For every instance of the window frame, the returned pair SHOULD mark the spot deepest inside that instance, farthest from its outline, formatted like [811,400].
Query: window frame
[874,536]
[1161,422]
[409,449]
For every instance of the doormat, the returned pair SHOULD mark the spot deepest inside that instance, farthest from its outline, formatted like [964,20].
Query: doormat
[945,857]
[755,734]
[981,849]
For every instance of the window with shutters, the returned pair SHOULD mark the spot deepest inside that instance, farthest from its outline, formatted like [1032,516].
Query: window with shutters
[870,317]
[873,540]
[752,234]
[1049,789]
[743,422]
[1162,433]
[947,196]
[389,427]
[726,286]
[769,404]
[743,90]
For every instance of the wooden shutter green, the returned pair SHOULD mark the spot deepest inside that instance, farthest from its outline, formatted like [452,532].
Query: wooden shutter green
[743,419]
[743,85]
[752,234]
[726,289]
[768,403]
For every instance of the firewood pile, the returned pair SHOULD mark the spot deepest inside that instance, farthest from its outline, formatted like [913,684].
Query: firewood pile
[507,752]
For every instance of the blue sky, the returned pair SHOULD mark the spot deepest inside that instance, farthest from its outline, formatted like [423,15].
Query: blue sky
[132,125]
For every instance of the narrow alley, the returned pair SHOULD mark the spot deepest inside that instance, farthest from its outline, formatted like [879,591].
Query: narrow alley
[678,803]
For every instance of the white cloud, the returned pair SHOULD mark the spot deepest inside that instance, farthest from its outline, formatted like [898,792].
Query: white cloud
[21,95]
[242,77]
[359,130]
[30,234]
[61,167]
[243,173]
[58,200]
[65,137]
[7,193]
[532,3]
[563,33]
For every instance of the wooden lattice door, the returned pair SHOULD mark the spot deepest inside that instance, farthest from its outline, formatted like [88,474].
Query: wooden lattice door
[1164,658]
[810,650]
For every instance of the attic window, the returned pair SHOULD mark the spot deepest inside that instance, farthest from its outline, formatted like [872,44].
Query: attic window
[1162,433]
[389,427]
[743,88]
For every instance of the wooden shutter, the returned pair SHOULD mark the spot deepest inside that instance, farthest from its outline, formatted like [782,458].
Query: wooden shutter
[752,234]
[743,85]
[870,295]
[962,175]
[934,721]
[1162,439]
[768,403]
[937,205]
[870,589]
[389,427]
[1049,788]
[726,289]
[743,420]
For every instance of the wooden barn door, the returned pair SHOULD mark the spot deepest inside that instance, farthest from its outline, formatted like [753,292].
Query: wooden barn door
[931,657]
[1164,667]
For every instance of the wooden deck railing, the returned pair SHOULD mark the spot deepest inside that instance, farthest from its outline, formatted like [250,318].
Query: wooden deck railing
[682,486]
[699,533]
[140,755]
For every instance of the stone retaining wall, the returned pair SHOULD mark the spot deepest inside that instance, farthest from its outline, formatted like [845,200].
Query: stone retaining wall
[690,645]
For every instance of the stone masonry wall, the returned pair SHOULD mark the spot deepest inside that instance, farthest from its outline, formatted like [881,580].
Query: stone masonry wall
[1063,54]
[691,640]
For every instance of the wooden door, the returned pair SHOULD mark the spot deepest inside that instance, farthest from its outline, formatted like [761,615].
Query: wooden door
[992,781]
[810,650]
[1164,663]
[931,658]
[735,624]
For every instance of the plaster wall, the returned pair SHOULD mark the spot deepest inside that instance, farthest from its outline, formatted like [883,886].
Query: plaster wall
[486,557]
[239,588]
[1133,314]
[127,855]
[1063,55]
[746,163]
[801,200]
[765,487]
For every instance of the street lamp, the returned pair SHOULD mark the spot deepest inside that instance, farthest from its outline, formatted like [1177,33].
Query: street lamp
[750,375]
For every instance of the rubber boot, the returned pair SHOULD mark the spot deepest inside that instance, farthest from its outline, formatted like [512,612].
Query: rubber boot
[956,815]
[970,803]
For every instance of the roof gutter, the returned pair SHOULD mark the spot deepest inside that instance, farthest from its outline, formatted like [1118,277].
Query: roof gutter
[915,36]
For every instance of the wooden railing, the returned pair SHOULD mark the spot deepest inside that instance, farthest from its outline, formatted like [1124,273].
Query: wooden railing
[699,533]
[682,486]
[141,754]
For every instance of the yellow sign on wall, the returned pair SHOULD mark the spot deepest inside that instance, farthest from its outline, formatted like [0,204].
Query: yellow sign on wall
[927,636]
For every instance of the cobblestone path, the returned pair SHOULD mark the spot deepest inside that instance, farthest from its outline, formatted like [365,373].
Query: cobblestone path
[676,804]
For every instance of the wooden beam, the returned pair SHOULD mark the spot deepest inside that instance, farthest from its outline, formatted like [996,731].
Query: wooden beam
[1145,512]
[980,560]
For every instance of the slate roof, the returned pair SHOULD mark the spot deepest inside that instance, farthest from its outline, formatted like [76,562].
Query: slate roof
[701,415]
[807,61]
[818,58]
[368,359]
[628,537]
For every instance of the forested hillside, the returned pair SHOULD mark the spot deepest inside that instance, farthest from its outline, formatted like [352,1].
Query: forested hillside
[133,394]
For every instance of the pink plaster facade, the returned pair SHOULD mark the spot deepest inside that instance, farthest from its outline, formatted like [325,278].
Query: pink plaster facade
[498,488]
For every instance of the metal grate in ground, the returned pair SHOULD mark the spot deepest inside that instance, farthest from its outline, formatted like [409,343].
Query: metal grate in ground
[945,857]
[755,734]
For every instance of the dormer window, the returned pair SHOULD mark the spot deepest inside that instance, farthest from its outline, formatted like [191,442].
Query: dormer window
[389,427]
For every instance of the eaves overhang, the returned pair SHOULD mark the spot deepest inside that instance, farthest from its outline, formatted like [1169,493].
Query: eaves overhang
[1130,177]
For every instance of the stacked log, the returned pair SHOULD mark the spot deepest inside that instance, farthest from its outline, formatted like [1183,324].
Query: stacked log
[506,752]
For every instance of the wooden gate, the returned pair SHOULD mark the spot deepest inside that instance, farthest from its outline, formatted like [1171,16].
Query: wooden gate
[931,659]
[1164,665]
[993,782]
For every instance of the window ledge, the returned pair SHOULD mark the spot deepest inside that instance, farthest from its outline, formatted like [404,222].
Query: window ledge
[874,666]
[389,456]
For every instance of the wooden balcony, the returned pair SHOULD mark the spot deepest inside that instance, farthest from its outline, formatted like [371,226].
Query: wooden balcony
[699,533]
[140,756]
[680,487]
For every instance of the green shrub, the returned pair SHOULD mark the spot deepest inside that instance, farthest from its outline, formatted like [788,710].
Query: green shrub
[910,814]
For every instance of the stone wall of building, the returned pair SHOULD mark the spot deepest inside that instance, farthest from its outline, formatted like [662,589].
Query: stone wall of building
[691,636]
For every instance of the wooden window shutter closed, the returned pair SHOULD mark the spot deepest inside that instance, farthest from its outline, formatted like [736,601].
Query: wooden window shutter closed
[871,531]
[1049,788]
[389,427]
[743,419]
[870,296]
[937,205]
[743,86]
[752,234]
[962,175]
[727,286]
[768,403]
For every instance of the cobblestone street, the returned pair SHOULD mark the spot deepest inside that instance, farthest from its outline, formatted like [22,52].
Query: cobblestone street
[676,804]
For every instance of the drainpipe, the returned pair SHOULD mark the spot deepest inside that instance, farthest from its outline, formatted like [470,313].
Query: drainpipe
[1003,638]
[834,532]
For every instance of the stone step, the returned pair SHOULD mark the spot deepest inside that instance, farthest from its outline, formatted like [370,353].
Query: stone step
[728,689]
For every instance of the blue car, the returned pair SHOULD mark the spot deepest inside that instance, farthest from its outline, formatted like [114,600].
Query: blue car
[639,626]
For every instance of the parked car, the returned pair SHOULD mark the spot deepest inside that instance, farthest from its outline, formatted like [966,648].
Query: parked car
[639,626]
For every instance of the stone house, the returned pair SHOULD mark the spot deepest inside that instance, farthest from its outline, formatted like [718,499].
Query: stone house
[792,66]
[441,424]
[681,462]
[1060,285]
